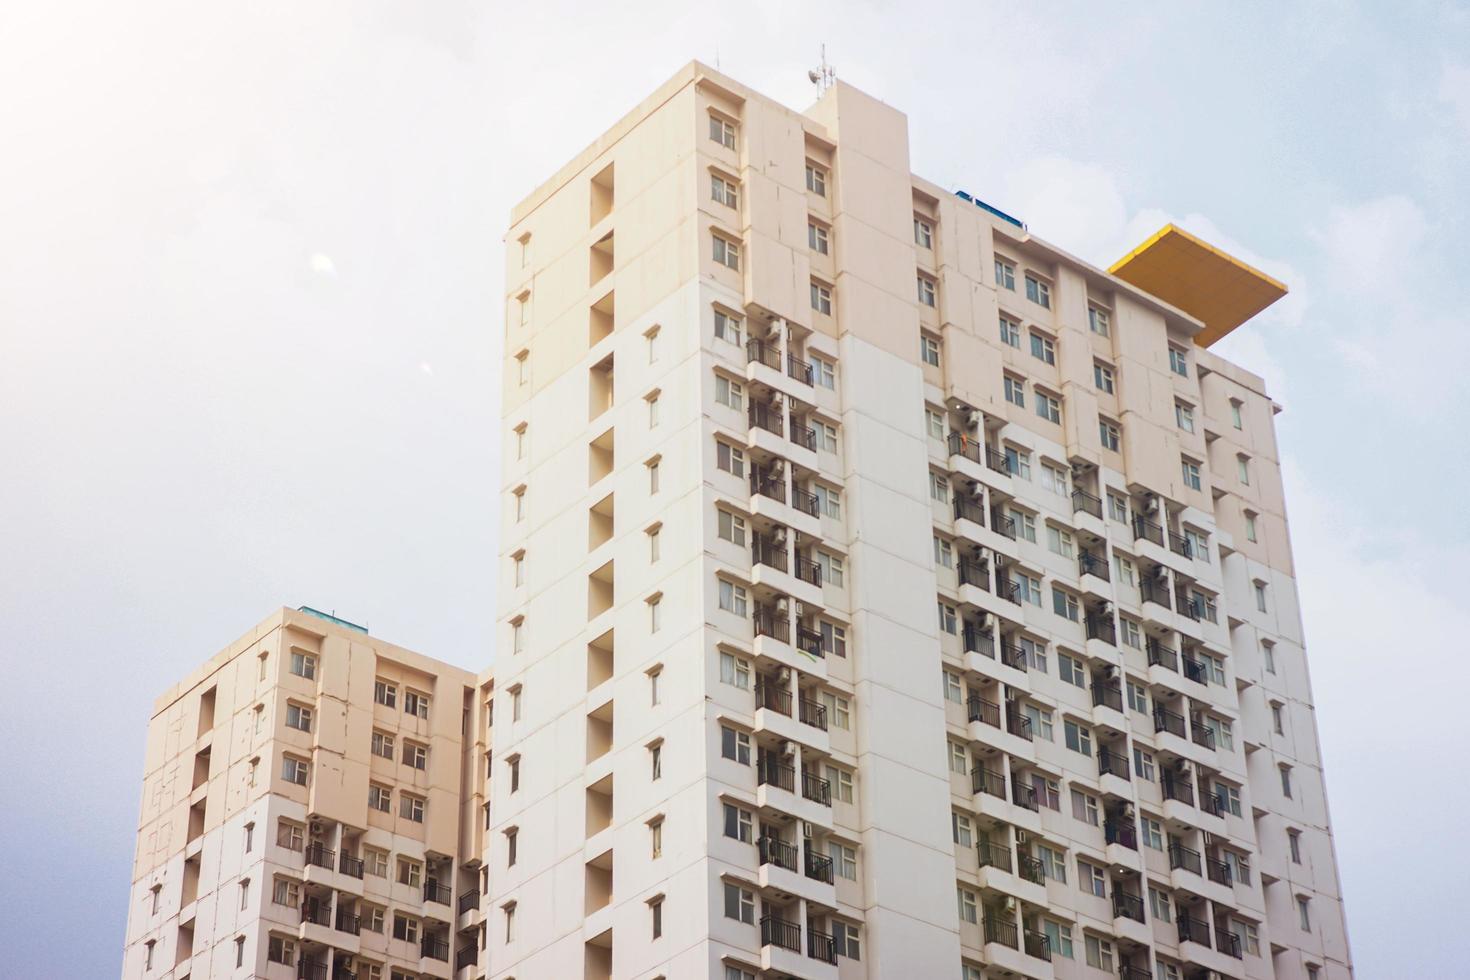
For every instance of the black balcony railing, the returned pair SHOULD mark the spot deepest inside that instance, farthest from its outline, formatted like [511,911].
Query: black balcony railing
[988,781]
[1169,721]
[1005,588]
[1024,796]
[469,900]
[1126,906]
[1086,503]
[812,713]
[776,931]
[815,788]
[1017,723]
[319,855]
[993,855]
[1012,655]
[808,571]
[771,771]
[1129,972]
[768,417]
[765,550]
[1195,670]
[349,865]
[809,641]
[966,509]
[1031,869]
[435,948]
[820,946]
[1106,695]
[798,369]
[1110,763]
[1228,943]
[984,711]
[772,622]
[1162,656]
[977,641]
[340,972]
[1002,524]
[1201,734]
[1147,530]
[773,696]
[775,851]
[967,446]
[1094,565]
[348,923]
[1179,544]
[1120,831]
[817,868]
[805,501]
[1037,945]
[1212,804]
[768,485]
[438,892]
[975,573]
[1152,590]
[760,352]
[1192,930]
[1188,607]
[998,461]
[1187,859]
[317,912]
[1001,930]
[1218,872]
[466,956]
[804,435]
[308,970]
[1100,626]
[1177,788]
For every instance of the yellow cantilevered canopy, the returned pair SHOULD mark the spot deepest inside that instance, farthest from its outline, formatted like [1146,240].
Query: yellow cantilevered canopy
[1215,288]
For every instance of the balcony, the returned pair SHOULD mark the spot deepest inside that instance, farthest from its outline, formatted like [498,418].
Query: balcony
[435,948]
[1002,931]
[1094,565]
[466,956]
[1024,797]
[1179,544]
[1195,670]
[773,697]
[1152,590]
[798,370]
[1161,656]
[979,642]
[1038,945]
[812,713]
[966,509]
[348,923]
[963,445]
[318,855]
[1017,723]
[818,868]
[770,621]
[307,970]
[1201,735]
[776,931]
[974,573]
[1186,606]
[809,641]
[763,416]
[1192,930]
[469,901]
[1169,721]
[808,571]
[988,781]
[1110,763]
[1175,788]
[1102,627]
[1127,972]
[768,485]
[804,436]
[316,912]
[984,711]
[775,851]
[766,551]
[994,855]
[437,893]
[820,946]
[771,771]
[1228,943]
[1126,906]
[1189,860]
[1121,832]
[760,352]
[1218,872]
[1107,696]
[1085,503]
[1012,655]
[815,788]
[1147,530]
[349,865]
[805,502]
[1030,869]
[1002,524]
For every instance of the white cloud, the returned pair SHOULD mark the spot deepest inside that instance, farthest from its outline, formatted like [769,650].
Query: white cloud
[323,265]
[1073,204]
[1372,246]
[1454,90]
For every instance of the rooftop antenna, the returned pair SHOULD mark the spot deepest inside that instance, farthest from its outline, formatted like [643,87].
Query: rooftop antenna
[824,76]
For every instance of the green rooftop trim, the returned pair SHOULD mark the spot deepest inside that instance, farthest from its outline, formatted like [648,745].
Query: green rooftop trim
[330,618]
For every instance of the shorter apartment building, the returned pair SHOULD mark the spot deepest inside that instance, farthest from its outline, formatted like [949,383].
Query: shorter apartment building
[311,809]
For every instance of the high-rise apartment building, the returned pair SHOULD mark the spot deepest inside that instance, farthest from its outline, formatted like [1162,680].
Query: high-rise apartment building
[885,593]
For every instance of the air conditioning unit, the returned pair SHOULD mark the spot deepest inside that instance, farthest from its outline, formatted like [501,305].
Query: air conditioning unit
[779,536]
[1020,836]
[783,675]
[788,747]
[977,492]
[1153,504]
[982,553]
[806,829]
[1161,574]
[783,605]
[973,418]
[987,623]
[316,828]
[1106,608]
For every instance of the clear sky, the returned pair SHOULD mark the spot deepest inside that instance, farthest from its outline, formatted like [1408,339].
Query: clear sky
[250,262]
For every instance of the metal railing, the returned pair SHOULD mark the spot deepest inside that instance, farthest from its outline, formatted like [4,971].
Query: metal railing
[1179,544]
[346,922]
[466,956]
[996,460]
[757,351]
[1218,872]
[812,713]
[763,416]
[775,851]
[772,696]
[818,868]
[349,865]
[767,485]
[974,573]
[1002,524]
[1130,972]
[1094,565]
[770,621]
[808,571]
[1038,945]
[988,781]
[1121,832]
[1107,696]
[1024,796]
[436,892]
[765,551]
[815,788]
[1102,627]
[984,711]
[771,771]
[307,970]
[1003,931]
[809,640]
[1161,656]
[320,855]
[1110,763]
[1177,788]
[1228,943]
[1192,930]
[1186,858]
[1152,590]
[963,445]
[1201,734]
[805,501]
[1187,606]
[993,855]
[803,435]
[1212,804]
[1147,530]
[1169,721]
[1012,655]
[1031,869]
[821,946]
[776,931]
[798,369]
[1017,723]
[435,948]
[966,509]
[1195,670]
[1126,906]
[469,900]
[1087,503]
[977,641]
[316,912]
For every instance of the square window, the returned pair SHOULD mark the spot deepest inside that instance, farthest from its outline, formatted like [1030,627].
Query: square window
[1010,332]
[1005,275]
[1037,291]
[1043,348]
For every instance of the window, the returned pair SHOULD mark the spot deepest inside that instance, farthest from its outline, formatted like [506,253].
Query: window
[943,553]
[816,238]
[1246,935]
[514,765]
[298,717]
[738,823]
[1048,791]
[656,838]
[1048,407]
[1168,971]
[839,710]
[373,919]
[948,618]
[953,689]
[1304,912]
[294,770]
[1010,332]
[1159,906]
[1229,798]
[1043,348]
[415,756]
[523,367]
[1111,437]
[1117,507]
[1018,462]
[520,432]
[739,903]
[1053,863]
[735,745]
[1005,275]
[1015,390]
[841,780]
[1250,526]
[1034,652]
[923,233]
[845,939]
[725,252]
[1268,656]
[925,287]
[734,671]
[826,435]
[652,400]
[519,563]
[655,537]
[934,422]
[958,758]
[732,598]
[1102,377]
[1084,807]
[844,860]
[654,675]
[410,873]
[249,837]
[1178,363]
[510,921]
[829,501]
[730,458]
[518,635]
[722,131]
[379,797]
[1143,764]
[816,179]
[1024,523]
[821,299]
[291,836]
[375,862]
[1099,954]
[966,899]
[1260,589]
[1190,471]
[1090,879]
[1199,544]
[411,807]
[939,487]
[1038,292]
[722,191]
[729,393]
[824,373]
[515,692]
[415,703]
[512,846]
[1059,937]
[1137,697]
[1064,604]
[656,916]
[961,829]
[834,638]
[653,473]
[832,568]
[1294,844]
[1286,781]
[239,951]
[405,929]
[1072,670]
[1054,479]
[1028,588]
[303,665]
[286,892]
[1041,723]
[929,349]
[727,327]
[1132,634]
[1153,833]
[278,949]
[520,503]
[655,612]
[1098,322]
[736,973]
[1243,470]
